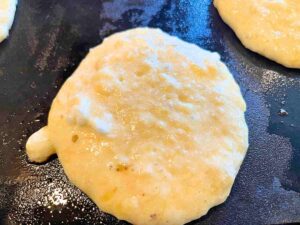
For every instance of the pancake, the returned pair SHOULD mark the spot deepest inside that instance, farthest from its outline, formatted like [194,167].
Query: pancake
[150,127]
[268,27]
[7,14]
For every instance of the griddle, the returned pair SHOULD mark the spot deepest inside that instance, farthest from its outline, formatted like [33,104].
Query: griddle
[47,42]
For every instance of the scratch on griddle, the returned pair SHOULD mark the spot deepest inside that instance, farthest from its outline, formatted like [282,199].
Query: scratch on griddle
[42,60]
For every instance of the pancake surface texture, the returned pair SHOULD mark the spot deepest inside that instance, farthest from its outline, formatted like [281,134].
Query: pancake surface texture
[7,14]
[150,127]
[268,27]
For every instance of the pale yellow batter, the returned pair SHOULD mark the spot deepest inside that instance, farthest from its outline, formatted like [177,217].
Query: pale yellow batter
[7,14]
[151,128]
[268,27]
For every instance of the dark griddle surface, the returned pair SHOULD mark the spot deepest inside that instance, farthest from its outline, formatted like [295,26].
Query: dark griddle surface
[50,38]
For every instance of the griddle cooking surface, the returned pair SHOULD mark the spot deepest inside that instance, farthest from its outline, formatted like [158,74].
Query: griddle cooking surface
[50,38]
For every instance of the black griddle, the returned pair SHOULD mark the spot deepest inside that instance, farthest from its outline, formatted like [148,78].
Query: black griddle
[47,42]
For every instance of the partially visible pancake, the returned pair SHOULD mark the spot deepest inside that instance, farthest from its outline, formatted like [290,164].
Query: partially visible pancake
[150,127]
[268,27]
[7,14]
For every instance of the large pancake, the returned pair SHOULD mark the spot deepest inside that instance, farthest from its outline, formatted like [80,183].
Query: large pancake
[7,14]
[268,27]
[150,127]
